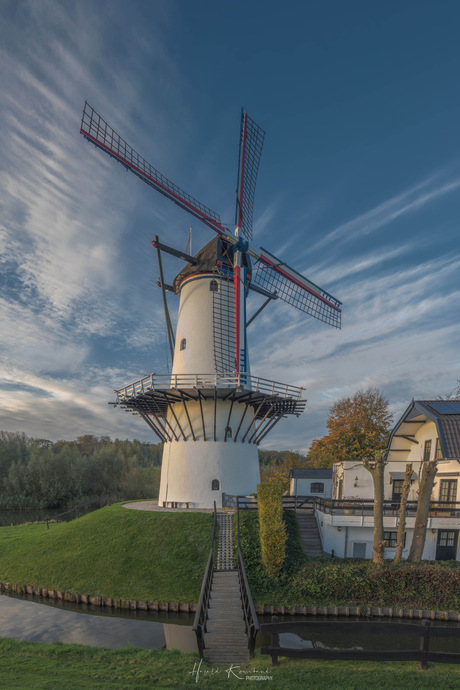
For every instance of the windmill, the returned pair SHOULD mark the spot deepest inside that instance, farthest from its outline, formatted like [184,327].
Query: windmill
[210,412]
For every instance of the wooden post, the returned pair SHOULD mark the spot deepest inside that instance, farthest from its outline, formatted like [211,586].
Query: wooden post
[424,644]
[275,641]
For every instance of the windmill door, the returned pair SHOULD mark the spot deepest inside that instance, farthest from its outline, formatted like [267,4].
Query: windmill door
[446,548]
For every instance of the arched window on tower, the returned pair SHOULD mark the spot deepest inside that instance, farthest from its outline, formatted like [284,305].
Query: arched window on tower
[215,485]
[228,432]
[183,343]
[214,286]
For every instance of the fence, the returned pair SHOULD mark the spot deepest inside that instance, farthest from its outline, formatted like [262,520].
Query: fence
[97,502]
[424,632]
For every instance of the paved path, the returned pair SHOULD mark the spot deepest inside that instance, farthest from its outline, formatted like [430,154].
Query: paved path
[153,505]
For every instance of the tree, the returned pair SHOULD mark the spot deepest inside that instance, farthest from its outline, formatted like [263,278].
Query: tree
[402,514]
[359,426]
[428,474]
[376,467]
[278,471]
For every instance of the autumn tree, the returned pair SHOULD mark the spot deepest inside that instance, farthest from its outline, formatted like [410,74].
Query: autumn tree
[359,426]
[278,472]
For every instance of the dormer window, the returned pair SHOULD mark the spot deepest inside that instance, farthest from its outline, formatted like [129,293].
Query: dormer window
[214,286]
[183,343]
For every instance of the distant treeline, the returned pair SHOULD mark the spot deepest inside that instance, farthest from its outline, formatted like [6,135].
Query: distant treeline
[38,473]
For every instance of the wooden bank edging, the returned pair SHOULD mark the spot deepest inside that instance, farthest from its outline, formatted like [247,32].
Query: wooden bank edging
[94,600]
[178,607]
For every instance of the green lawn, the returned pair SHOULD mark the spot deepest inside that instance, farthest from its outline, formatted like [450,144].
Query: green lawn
[112,552]
[51,667]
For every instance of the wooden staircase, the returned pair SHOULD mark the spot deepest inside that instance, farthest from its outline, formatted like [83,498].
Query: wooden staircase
[309,533]
[225,638]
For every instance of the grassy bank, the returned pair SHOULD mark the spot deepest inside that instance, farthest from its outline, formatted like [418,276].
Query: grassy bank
[112,552]
[345,582]
[39,667]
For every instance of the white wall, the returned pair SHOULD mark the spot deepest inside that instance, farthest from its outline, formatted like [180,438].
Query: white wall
[302,487]
[340,532]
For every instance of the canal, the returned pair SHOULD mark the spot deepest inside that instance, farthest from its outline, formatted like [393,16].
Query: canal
[42,620]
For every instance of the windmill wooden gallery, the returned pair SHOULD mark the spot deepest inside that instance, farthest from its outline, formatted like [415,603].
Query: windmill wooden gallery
[211,413]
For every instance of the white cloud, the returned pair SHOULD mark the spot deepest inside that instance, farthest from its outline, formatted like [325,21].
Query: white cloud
[411,200]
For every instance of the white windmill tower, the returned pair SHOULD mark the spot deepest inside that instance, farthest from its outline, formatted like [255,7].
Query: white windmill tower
[211,413]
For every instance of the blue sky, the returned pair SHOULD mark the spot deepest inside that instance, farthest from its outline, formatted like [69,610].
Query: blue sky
[358,188]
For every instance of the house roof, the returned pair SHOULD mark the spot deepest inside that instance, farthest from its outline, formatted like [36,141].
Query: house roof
[445,414]
[311,474]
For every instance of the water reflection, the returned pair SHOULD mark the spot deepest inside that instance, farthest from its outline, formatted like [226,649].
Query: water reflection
[356,639]
[38,621]
[46,620]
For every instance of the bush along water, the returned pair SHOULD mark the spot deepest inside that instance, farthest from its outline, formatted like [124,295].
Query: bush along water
[304,581]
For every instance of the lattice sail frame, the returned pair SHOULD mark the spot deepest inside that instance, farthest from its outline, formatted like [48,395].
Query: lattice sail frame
[97,131]
[270,273]
[275,276]
[251,143]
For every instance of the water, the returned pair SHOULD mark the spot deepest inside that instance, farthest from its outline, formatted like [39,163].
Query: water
[40,620]
[44,620]
[356,640]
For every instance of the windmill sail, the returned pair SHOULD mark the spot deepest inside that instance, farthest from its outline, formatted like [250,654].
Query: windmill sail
[251,142]
[97,131]
[276,277]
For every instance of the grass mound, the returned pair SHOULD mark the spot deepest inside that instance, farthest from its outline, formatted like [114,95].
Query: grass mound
[112,552]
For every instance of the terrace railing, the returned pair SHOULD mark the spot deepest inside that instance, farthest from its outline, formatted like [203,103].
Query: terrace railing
[365,507]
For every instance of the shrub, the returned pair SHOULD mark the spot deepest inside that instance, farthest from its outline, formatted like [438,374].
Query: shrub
[272,528]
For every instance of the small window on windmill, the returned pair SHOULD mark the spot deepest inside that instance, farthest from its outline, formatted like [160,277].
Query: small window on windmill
[183,343]
[215,486]
[214,286]
[228,432]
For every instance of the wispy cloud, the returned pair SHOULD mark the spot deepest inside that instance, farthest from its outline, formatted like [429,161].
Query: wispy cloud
[410,201]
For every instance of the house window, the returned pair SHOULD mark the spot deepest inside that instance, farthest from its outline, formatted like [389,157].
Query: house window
[390,538]
[397,487]
[215,485]
[317,488]
[447,538]
[427,451]
[448,490]
[438,451]
[183,343]
[214,286]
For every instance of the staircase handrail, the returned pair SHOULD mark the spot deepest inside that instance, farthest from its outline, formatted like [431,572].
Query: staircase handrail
[201,615]
[250,615]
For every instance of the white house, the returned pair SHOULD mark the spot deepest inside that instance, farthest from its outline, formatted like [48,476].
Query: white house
[311,482]
[428,430]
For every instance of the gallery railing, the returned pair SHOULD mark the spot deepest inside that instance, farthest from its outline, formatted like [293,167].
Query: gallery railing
[202,381]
